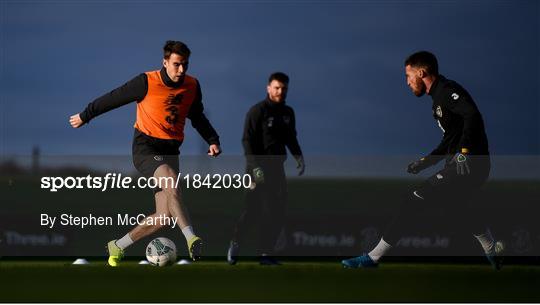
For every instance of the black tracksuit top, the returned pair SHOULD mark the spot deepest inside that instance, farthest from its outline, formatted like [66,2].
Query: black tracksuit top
[460,120]
[269,128]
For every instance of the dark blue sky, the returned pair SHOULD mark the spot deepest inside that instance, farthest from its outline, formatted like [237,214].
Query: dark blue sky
[345,60]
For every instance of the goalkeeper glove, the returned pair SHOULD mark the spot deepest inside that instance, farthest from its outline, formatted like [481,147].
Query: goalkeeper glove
[258,175]
[300,165]
[462,164]
[417,166]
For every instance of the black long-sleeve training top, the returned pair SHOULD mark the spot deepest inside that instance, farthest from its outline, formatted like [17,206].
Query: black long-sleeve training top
[460,120]
[269,128]
[137,89]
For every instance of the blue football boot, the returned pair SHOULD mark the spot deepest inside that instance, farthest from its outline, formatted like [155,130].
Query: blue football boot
[363,261]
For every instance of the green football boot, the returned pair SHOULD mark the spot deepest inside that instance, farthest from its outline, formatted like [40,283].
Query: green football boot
[195,248]
[115,253]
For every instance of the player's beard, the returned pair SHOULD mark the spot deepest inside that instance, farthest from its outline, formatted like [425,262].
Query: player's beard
[420,88]
[277,98]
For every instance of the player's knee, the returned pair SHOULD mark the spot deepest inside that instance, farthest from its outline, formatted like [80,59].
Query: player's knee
[167,180]
[165,171]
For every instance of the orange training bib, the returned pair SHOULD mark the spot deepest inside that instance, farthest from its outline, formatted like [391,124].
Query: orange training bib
[163,111]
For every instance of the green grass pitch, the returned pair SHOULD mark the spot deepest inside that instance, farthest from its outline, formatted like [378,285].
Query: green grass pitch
[58,281]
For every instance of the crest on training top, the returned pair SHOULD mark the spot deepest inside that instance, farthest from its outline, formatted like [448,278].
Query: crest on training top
[438,111]
[286,119]
[455,96]
[270,122]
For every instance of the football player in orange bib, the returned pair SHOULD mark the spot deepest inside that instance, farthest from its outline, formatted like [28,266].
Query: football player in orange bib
[165,98]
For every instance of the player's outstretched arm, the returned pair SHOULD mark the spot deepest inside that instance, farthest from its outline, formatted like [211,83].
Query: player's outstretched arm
[133,90]
[76,121]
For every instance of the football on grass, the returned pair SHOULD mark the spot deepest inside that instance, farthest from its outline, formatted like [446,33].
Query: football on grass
[161,252]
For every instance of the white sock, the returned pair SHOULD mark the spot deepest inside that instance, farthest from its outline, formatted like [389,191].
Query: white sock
[381,248]
[188,232]
[124,242]
[487,242]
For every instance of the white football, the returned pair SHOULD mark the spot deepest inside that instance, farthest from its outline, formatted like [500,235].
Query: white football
[161,252]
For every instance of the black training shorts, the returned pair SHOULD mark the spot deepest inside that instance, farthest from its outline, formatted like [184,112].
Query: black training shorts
[149,153]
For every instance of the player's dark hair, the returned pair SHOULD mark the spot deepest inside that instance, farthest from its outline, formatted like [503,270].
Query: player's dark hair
[176,47]
[280,77]
[423,59]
